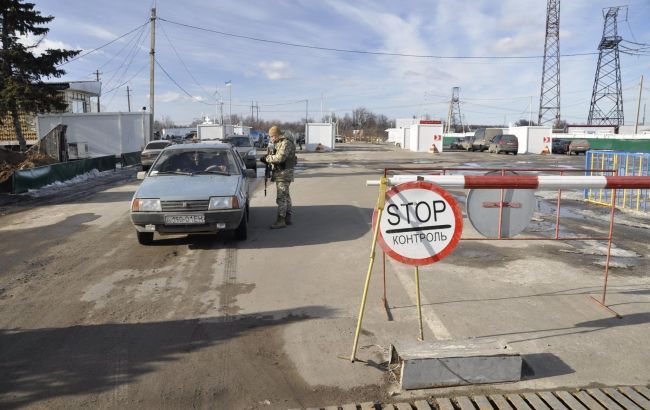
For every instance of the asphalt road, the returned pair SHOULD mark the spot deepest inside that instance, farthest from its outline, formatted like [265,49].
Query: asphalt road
[92,319]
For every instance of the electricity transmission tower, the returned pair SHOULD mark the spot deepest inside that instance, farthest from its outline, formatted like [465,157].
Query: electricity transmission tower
[453,115]
[549,99]
[607,96]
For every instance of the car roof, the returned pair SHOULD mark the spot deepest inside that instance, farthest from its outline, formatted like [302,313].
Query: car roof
[199,145]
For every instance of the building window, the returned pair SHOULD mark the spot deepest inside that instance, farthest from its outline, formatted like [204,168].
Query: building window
[78,106]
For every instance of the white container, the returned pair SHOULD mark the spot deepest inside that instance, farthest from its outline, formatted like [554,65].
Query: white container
[532,140]
[319,133]
[208,132]
[421,137]
[105,133]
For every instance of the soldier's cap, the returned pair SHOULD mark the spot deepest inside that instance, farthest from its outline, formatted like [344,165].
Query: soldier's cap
[274,131]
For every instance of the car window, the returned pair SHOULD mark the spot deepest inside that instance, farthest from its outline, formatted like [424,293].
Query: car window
[157,145]
[196,161]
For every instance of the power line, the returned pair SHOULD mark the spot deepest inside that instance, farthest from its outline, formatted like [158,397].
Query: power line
[178,85]
[102,46]
[378,53]
[181,60]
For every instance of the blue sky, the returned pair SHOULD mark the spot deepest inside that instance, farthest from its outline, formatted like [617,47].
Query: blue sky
[276,76]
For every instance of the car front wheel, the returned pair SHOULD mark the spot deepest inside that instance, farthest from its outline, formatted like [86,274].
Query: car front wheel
[241,233]
[145,238]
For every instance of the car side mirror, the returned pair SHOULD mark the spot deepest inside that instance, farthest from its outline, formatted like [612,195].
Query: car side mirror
[251,173]
[141,175]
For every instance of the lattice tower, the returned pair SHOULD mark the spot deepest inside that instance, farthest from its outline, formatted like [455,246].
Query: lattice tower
[453,115]
[607,96]
[549,99]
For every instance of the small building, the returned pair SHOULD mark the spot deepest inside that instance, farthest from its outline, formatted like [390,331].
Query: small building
[80,97]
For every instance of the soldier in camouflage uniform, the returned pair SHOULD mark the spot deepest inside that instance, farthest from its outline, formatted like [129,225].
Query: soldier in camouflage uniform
[283,159]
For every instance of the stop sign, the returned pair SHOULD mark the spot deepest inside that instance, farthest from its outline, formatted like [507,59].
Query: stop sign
[421,223]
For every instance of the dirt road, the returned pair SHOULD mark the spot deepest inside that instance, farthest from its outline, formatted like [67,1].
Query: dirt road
[92,319]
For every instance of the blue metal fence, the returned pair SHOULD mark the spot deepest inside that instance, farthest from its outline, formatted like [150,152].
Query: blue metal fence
[625,164]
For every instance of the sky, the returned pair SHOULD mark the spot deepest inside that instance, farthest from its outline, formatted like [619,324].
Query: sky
[280,78]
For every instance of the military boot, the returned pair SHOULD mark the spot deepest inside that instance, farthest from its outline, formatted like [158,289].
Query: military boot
[287,219]
[279,223]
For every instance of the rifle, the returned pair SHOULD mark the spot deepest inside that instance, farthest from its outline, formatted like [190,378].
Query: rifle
[267,169]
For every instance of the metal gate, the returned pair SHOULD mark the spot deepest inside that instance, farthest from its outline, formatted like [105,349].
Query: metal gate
[621,164]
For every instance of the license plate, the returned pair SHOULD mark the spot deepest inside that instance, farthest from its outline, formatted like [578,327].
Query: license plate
[185,220]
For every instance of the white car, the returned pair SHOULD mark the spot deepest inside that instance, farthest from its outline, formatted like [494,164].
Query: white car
[338,138]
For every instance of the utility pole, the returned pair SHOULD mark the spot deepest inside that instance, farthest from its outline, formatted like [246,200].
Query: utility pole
[152,62]
[128,97]
[549,98]
[638,107]
[252,111]
[530,113]
[97,73]
[229,85]
[321,107]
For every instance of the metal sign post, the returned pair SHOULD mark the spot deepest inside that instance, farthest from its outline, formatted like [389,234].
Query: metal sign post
[422,224]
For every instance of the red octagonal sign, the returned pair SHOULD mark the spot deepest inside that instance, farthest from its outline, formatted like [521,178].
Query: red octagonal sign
[421,223]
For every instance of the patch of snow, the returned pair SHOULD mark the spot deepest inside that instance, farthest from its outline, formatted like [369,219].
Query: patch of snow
[48,189]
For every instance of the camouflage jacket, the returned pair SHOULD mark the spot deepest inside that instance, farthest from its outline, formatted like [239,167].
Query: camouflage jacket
[283,160]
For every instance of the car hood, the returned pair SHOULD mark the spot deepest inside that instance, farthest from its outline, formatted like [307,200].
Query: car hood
[186,187]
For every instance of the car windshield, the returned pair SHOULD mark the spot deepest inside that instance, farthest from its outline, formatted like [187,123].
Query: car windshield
[157,145]
[238,141]
[195,161]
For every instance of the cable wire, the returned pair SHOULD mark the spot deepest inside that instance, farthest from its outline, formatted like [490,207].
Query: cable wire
[378,53]
[178,85]
[183,62]
[102,46]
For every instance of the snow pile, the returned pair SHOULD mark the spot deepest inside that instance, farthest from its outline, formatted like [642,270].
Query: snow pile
[47,189]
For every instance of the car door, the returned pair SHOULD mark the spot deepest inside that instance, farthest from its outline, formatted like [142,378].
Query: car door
[245,183]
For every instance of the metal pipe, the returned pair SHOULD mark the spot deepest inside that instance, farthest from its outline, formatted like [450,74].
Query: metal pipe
[417,296]
[609,245]
[380,208]
[536,182]
[557,211]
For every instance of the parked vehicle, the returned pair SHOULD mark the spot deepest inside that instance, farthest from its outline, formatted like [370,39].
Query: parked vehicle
[338,138]
[560,146]
[244,148]
[456,143]
[482,138]
[504,143]
[578,147]
[151,151]
[467,143]
[193,188]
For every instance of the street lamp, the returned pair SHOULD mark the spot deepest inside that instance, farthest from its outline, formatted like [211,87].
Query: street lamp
[229,85]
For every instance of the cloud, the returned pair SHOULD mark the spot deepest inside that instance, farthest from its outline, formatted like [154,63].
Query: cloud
[275,70]
[96,31]
[525,43]
[41,44]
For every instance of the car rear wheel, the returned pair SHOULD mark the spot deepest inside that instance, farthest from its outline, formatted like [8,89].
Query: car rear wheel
[241,233]
[145,238]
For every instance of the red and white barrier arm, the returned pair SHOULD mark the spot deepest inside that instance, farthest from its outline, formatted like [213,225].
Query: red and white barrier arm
[537,182]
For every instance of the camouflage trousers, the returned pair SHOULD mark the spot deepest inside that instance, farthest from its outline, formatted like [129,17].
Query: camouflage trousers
[283,198]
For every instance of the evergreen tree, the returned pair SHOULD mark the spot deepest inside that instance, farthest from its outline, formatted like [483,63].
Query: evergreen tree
[21,71]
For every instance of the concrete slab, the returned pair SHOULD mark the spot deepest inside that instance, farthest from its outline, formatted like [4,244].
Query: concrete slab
[455,362]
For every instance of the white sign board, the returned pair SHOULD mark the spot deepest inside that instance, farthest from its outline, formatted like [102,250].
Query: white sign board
[421,223]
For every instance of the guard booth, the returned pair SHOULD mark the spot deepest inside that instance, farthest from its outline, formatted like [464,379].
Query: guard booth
[319,134]
[421,137]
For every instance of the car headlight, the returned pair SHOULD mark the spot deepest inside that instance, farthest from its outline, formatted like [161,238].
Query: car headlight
[223,202]
[146,205]
[251,153]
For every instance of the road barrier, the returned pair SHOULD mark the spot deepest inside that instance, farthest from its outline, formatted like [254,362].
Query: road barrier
[511,209]
[624,164]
